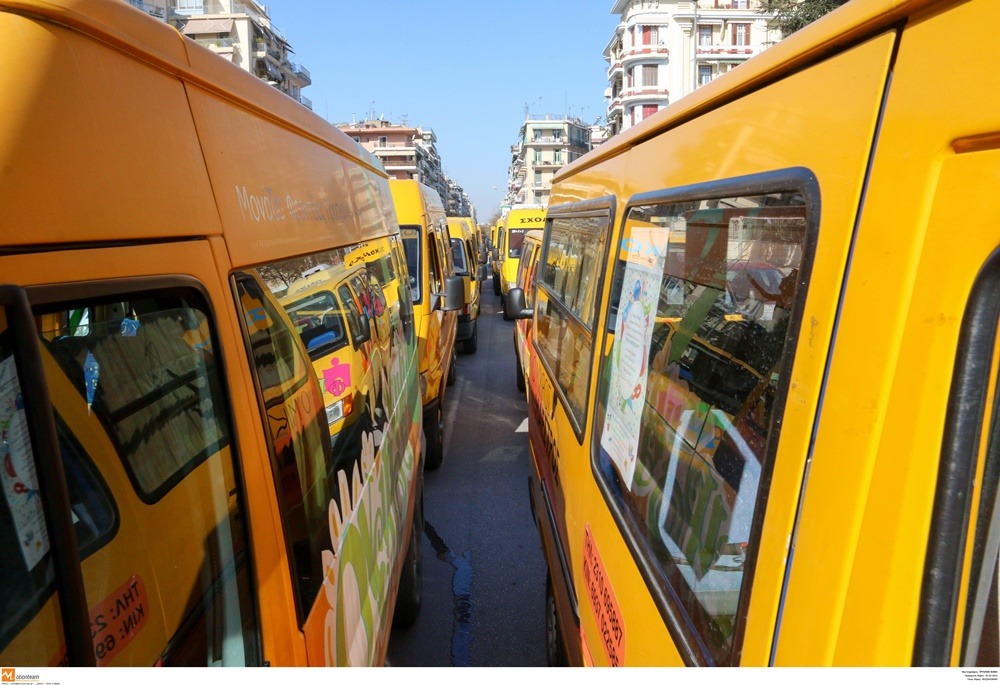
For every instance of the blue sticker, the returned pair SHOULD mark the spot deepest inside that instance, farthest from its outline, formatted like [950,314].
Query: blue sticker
[130,327]
[91,373]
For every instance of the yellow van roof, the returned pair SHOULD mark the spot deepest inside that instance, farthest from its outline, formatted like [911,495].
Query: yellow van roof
[94,166]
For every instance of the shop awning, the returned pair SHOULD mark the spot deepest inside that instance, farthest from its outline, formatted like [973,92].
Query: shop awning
[199,26]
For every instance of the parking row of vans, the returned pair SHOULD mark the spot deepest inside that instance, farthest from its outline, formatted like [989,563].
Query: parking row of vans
[220,380]
[763,369]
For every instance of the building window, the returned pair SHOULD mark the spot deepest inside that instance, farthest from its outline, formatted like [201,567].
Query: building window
[704,35]
[649,76]
[704,74]
[648,111]
[382,141]
[741,34]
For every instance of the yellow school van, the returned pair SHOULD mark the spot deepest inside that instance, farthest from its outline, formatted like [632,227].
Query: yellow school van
[507,253]
[178,485]
[764,426]
[465,255]
[437,296]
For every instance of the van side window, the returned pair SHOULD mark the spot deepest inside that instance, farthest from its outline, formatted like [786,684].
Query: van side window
[401,288]
[144,434]
[300,444]
[689,393]
[566,298]
[412,244]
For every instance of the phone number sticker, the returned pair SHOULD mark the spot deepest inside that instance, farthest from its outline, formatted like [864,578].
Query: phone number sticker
[603,602]
[116,621]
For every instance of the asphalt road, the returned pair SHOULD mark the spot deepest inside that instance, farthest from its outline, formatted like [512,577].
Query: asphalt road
[483,575]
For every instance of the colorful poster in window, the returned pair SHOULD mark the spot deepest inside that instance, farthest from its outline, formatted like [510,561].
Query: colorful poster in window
[629,367]
[17,469]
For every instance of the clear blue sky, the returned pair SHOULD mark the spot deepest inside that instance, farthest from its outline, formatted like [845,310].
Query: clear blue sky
[465,69]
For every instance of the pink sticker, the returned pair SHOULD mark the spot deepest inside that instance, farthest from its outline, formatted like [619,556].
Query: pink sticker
[337,378]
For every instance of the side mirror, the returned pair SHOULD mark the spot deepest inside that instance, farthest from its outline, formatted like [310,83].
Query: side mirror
[496,254]
[481,276]
[454,293]
[515,305]
[364,332]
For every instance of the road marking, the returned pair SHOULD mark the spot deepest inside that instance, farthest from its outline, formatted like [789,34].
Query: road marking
[523,428]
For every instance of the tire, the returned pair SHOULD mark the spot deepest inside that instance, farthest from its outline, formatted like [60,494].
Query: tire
[434,433]
[470,345]
[519,372]
[496,284]
[411,580]
[555,652]
[452,374]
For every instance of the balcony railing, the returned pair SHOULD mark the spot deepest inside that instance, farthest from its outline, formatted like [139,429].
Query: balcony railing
[305,101]
[726,50]
[639,51]
[218,42]
[151,10]
[648,91]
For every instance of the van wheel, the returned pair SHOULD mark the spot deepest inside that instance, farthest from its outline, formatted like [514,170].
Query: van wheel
[496,283]
[555,652]
[472,343]
[451,369]
[519,372]
[408,599]
[434,433]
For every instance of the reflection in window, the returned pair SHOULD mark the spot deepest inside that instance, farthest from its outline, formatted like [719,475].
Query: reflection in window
[143,434]
[702,296]
[458,256]
[566,304]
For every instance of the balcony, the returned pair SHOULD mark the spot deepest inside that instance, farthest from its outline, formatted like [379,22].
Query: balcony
[646,93]
[547,140]
[638,53]
[710,52]
[547,163]
[615,106]
[219,44]
[149,9]
[616,68]
[305,101]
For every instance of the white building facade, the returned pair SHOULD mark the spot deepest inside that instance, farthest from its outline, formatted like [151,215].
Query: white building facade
[545,145]
[240,32]
[662,50]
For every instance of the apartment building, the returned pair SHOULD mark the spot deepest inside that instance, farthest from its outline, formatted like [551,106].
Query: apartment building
[662,50]
[457,202]
[545,144]
[405,151]
[240,32]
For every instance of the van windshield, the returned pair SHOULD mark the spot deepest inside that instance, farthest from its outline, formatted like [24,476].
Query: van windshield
[411,244]
[514,242]
[319,321]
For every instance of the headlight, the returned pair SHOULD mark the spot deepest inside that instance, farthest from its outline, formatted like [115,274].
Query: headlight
[335,411]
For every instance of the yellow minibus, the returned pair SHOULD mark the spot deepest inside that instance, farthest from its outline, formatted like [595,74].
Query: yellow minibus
[437,295]
[764,425]
[176,488]
[465,256]
[507,253]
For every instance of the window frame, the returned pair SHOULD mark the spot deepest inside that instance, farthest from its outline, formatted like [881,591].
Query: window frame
[960,448]
[686,639]
[599,207]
